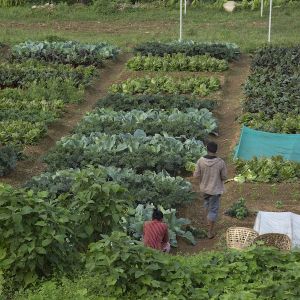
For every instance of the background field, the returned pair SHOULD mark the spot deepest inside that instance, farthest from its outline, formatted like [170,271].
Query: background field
[129,27]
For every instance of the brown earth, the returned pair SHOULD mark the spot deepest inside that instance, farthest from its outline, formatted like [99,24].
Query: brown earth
[258,196]
[33,164]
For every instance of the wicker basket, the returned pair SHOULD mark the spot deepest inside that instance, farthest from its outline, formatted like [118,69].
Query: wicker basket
[277,240]
[240,237]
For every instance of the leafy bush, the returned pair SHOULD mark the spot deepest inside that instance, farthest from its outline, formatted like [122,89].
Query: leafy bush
[8,159]
[226,51]
[69,52]
[33,236]
[274,169]
[238,210]
[135,223]
[177,62]
[193,123]
[145,102]
[280,122]
[39,236]
[118,267]
[21,132]
[138,151]
[149,187]
[195,85]
[16,75]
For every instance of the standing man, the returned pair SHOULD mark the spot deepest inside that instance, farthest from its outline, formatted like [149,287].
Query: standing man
[211,171]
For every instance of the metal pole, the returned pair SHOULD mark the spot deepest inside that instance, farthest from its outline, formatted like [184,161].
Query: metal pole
[270,22]
[185,6]
[261,7]
[180,18]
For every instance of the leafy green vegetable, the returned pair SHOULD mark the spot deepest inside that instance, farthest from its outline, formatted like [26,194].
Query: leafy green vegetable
[177,62]
[226,51]
[68,52]
[195,85]
[238,210]
[274,169]
[138,151]
[194,123]
[156,101]
[280,123]
[149,187]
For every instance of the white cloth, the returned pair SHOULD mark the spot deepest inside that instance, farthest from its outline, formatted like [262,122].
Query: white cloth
[279,222]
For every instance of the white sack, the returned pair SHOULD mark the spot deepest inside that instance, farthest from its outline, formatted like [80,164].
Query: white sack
[279,222]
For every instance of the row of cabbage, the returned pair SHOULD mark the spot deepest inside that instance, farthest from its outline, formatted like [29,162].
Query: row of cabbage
[272,103]
[124,155]
[36,84]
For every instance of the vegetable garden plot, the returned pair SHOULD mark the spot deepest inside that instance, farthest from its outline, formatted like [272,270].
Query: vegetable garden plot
[195,85]
[69,52]
[272,91]
[156,101]
[191,124]
[226,51]
[16,75]
[149,187]
[177,62]
[138,151]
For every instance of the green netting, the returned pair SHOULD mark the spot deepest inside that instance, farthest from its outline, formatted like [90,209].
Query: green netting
[266,144]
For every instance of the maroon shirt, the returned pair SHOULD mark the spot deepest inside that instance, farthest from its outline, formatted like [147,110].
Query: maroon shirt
[155,234]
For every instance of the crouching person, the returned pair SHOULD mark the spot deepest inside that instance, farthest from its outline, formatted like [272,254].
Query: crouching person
[211,171]
[156,232]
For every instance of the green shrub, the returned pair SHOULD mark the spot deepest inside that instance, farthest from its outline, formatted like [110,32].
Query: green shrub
[238,210]
[8,159]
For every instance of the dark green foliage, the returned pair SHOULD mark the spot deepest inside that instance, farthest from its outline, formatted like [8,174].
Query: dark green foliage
[218,50]
[39,235]
[8,159]
[280,123]
[16,75]
[272,90]
[138,151]
[68,52]
[274,169]
[238,210]
[149,187]
[120,268]
[191,124]
[156,101]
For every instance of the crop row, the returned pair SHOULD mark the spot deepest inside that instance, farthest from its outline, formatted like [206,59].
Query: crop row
[193,123]
[177,62]
[195,85]
[273,89]
[225,51]
[69,52]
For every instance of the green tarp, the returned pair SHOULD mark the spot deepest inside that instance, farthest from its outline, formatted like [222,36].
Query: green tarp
[266,144]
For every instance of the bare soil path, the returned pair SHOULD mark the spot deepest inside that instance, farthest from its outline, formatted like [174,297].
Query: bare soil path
[227,112]
[33,164]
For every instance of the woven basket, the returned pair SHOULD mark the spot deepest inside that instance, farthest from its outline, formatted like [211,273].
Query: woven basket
[277,240]
[240,237]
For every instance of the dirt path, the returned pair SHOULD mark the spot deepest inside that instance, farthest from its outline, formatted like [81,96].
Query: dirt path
[33,165]
[226,113]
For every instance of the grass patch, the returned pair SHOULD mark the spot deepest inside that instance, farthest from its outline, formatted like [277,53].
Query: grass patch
[128,28]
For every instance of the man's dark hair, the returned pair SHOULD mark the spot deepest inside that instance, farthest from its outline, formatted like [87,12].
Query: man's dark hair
[157,215]
[212,147]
